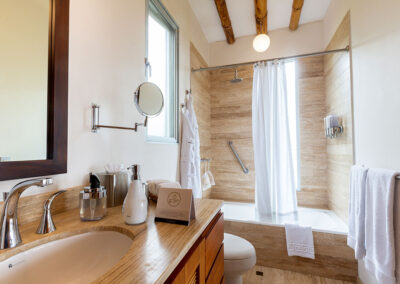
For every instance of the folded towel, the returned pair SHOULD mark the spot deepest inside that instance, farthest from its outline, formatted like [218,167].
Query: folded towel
[356,235]
[299,241]
[156,184]
[152,184]
[171,184]
[379,226]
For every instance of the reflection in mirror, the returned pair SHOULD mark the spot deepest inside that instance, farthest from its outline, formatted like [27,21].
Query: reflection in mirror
[149,99]
[24,48]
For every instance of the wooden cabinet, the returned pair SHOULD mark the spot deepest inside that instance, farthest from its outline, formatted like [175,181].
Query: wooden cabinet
[204,263]
[213,242]
[217,270]
[190,271]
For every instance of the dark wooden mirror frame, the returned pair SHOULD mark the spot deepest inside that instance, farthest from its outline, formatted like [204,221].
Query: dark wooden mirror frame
[57,103]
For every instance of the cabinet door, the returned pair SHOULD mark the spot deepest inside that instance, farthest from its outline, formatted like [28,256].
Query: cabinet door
[180,278]
[214,241]
[217,271]
[204,258]
[194,266]
[193,270]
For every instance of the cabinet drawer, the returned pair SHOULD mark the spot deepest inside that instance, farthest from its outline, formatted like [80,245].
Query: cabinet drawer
[213,242]
[217,270]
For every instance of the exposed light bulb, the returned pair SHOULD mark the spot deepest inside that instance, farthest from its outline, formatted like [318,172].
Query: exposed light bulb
[261,42]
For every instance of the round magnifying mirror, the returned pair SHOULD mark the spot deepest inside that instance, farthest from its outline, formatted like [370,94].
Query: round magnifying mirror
[149,99]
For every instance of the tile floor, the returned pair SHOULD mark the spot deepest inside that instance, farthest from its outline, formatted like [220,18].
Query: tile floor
[278,276]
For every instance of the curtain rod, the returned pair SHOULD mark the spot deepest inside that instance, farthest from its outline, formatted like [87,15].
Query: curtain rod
[346,49]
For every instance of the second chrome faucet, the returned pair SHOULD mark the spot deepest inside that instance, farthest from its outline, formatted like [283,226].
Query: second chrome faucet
[46,224]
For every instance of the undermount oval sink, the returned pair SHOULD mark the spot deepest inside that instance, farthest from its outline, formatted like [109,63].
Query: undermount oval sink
[77,259]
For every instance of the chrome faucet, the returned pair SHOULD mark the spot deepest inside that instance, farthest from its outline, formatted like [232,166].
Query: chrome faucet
[10,236]
[46,224]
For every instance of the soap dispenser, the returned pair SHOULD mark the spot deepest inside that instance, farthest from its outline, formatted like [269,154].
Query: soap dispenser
[135,205]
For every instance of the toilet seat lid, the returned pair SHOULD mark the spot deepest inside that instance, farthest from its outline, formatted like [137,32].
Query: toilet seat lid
[236,248]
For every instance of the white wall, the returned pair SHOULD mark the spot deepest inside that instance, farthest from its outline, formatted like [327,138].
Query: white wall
[107,50]
[308,38]
[375,29]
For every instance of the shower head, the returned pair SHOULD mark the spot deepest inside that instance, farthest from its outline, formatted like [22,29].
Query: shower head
[236,79]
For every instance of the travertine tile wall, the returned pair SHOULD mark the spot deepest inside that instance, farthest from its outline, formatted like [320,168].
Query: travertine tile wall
[200,86]
[231,120]
[313,151]
[224,113]
[339,102]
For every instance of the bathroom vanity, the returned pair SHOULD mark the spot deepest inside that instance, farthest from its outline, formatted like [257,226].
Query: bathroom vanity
[156,252]
[204,263]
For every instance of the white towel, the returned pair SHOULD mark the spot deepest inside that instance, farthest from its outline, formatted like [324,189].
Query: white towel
[156,184]
[299,241]
[379,226]
[172,184]
[356,235]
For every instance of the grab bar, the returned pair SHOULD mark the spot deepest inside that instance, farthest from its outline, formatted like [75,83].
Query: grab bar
[245,170]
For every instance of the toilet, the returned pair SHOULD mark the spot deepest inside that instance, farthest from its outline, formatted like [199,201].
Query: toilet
[239,257]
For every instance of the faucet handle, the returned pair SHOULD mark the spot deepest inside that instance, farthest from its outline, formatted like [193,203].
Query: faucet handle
[47,204]
[46,224]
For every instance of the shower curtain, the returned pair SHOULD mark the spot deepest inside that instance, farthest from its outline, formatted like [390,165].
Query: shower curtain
[274,164]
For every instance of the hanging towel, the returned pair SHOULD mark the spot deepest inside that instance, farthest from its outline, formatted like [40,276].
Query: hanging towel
[299,241]
[190,151]
[356,235]
[379,226]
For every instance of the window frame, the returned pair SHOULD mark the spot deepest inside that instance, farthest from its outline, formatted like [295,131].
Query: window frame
[173,116]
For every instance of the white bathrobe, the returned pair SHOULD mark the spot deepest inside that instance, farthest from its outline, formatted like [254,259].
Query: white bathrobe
[190,151]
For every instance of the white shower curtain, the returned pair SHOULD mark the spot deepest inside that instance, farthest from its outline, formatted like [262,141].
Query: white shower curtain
[273,159]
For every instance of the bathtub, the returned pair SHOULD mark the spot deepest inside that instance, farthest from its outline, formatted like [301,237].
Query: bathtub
[319,219]
[333,258]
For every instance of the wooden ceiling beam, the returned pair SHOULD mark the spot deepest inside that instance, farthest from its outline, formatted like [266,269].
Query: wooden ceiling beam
[261,13]
[225,20]
[296,13]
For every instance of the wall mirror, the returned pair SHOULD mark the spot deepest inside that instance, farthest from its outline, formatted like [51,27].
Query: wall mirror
[33,87]
[149,99]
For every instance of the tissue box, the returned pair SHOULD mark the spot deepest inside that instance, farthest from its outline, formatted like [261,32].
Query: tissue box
[117,185]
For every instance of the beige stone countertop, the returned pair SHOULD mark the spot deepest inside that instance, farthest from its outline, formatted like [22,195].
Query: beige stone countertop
[156,250]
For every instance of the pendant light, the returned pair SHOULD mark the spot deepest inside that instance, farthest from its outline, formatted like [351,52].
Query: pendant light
[261,42]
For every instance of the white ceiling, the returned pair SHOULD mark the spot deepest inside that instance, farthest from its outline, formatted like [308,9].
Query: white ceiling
[241,13]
